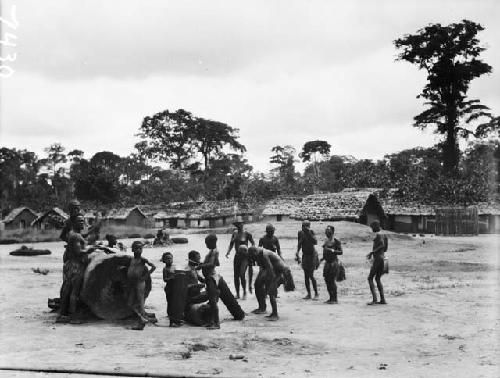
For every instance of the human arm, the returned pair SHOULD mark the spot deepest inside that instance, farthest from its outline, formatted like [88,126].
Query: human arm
[336,248]
[278,248]
[299,246]
[153,266]
[231,244]
[250,239]
[211,262]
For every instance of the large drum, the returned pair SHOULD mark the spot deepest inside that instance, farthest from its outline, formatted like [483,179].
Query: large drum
[105,285]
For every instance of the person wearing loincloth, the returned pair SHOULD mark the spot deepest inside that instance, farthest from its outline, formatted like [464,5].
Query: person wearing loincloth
[73,270]
[310,261]
[137,273]
[239,239]
[211,279]
[270,277]
[377,268]
[331,249]
[269,241]
[168,277]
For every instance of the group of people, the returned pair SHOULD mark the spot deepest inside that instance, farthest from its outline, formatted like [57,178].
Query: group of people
[273,271]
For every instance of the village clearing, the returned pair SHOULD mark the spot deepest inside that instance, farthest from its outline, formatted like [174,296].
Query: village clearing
[442,318]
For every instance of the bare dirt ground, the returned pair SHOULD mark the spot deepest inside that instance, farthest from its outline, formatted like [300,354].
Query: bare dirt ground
[442,318]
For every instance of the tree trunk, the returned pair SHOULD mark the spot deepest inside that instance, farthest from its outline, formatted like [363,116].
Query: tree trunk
[451,151]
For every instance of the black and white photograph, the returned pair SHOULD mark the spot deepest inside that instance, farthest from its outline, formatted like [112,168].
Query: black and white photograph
[228,188]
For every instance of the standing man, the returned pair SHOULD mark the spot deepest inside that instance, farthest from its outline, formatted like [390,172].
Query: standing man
[271,276]
[241,238]
[73,270]
[377,269]
[269,241]
[331,249]
[310,262]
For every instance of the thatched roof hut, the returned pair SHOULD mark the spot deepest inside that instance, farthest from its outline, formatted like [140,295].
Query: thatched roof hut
[345,205]
[19,218]
[51,219]
[127,217]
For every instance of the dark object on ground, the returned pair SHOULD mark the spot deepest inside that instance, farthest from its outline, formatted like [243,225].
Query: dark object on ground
[236,356]
[40,271]
[149,236]
[230,301]
[134,236]
[179,240]
[198,314]
[288,283]
[10,241]
[179,296]
[341,274]
[54,303]
[105,285]
[25,251]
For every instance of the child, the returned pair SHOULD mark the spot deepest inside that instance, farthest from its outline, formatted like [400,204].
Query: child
[137,274]
[211,278]
[168,277]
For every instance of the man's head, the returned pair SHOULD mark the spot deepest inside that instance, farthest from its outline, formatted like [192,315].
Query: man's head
[270,229]
[137,248]
[111,240]
[194,257]
[74,208]
[79,223]
[375,225]
[167,258]
[252,253]
[329,231]
[211,241]
[306,225]
[238,225]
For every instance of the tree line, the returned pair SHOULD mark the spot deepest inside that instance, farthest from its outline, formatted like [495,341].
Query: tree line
[181,157]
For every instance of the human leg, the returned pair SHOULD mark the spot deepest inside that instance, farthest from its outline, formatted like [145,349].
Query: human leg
[260,292]
[250,277]
[307,283]
[380,289]
[213,298]
[372,286]
[242,272]
[236,275]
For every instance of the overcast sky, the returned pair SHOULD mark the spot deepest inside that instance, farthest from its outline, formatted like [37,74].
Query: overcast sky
[283,72]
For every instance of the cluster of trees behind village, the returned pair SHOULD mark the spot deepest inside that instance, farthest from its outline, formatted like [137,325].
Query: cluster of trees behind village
[108,180]
[181,157]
